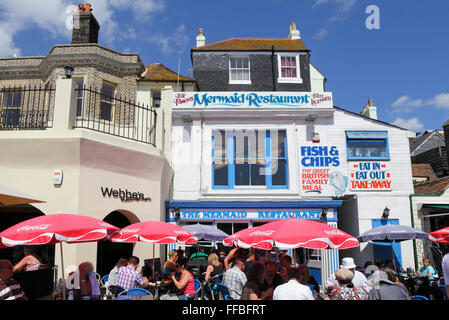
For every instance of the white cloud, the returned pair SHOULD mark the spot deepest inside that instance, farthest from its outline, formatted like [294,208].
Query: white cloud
[441,100]
[405,101]
[174,42]
[412,124]
[51,16]
[341,13]
[406,104]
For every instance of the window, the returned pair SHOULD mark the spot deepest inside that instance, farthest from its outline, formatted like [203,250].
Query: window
[11,103]
[107,101]
[239,72]
[155,98]
[79,84]
[249,158]
[288,66]
[367,145]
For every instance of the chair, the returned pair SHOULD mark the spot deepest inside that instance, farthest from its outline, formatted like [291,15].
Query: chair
[135,292]
[115,290]
[443,288]
[198,287]
[224,290]
[104,280]
[419,298]
[98,278]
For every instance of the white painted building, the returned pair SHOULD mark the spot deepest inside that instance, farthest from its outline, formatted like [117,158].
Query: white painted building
[221,139]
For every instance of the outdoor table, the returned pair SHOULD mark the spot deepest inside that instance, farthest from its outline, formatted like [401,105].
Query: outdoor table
[158,285]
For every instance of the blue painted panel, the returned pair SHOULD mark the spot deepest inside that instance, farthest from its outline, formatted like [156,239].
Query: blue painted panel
[383,249]
[316,273]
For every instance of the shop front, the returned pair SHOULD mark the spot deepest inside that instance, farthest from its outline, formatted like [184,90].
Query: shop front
[233,216]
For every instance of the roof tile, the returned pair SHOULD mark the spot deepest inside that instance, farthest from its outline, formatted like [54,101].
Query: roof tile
[242,44]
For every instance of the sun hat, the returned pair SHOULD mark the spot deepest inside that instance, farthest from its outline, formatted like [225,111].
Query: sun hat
[377,277]
[344,274]
[347,263]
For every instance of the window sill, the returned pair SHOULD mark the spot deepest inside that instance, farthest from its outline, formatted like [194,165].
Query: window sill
[289,80]
[239,82]
[368,159]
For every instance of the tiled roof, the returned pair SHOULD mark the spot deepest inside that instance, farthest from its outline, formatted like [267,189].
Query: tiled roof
[423,170]
[159,72]
[434,187]
[242,44]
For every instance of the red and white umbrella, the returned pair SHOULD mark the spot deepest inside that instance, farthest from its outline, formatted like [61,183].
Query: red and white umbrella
[293,233]
[154,232]
[441,236]
[57,228]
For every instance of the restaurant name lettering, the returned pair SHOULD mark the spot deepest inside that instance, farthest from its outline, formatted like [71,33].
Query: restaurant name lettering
[124,195]
[244,214]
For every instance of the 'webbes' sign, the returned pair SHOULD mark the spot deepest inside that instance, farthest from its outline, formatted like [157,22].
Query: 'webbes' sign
[320,171]
[252,100]
[370,176]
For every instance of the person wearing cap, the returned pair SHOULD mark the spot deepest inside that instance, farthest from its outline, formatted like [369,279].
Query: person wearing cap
[346,289]
[359,279]
[383,288]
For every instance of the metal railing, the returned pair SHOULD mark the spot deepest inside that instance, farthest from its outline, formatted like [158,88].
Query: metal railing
[119,117]
[26,108]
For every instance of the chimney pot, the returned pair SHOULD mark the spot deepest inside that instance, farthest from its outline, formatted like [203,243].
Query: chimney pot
[369,110]
[294,33]
[200,38]
[85,26]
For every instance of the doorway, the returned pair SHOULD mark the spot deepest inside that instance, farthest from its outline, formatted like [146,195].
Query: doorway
[108,253]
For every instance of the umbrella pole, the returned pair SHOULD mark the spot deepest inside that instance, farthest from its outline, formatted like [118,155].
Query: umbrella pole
[153,263]
[62,271]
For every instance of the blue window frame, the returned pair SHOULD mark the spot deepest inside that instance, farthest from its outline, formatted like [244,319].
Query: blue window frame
[367,145]
[249,158]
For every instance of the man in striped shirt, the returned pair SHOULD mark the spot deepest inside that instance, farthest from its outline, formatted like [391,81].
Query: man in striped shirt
[128,277]
[9,288]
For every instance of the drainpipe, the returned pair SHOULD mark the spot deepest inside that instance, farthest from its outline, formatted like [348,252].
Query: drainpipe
[413,226]
[272,68]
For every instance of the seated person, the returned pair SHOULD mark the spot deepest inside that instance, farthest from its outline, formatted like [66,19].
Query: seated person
[112,280]
[9,288]
[308,279]
[272,279]
[30,262]
[89,286]
[169,265]
[185,285]
[427,270]
[128,277]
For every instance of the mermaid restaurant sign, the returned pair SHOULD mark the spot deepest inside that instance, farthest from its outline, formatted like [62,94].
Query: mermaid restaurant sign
[253,100]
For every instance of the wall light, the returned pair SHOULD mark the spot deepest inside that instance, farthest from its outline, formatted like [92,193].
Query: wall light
[68,71]
[386,213]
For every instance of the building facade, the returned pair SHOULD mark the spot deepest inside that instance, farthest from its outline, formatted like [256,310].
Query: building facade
[84,145]
[247,153]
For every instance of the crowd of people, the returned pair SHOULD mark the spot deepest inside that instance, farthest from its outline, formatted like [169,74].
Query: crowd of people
[247,275]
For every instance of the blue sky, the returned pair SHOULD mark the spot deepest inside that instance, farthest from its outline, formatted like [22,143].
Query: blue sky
[403,65]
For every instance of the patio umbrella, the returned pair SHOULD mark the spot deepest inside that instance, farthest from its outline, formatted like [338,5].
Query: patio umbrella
[57,228]
[206,232]
[9,197]
[154,232]
[392,233]
[293,233]
[441,236]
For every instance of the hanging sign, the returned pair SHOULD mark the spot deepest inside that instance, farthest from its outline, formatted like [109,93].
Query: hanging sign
[370,176]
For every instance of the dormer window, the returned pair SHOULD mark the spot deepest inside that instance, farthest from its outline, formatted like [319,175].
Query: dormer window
[239,70]
[288,67]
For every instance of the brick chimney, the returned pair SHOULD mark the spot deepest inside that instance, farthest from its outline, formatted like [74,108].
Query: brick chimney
[200,38]
[294,33]
[85,26]
[369,110]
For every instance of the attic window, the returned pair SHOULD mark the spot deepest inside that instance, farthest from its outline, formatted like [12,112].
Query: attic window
[239,70]
[288,67]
